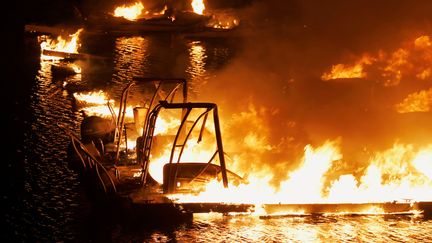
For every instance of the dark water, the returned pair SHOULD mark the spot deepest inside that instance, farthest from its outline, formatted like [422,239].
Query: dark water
[47,204]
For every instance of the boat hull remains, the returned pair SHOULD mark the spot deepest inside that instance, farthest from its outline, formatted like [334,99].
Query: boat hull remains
[353,209]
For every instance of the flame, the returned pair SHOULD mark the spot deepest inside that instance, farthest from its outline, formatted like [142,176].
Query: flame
[416,102]
[162,11]
[411,60]
[348,71]
[130,12]
[198,6]
[70,45]
[94,97]
[399,173]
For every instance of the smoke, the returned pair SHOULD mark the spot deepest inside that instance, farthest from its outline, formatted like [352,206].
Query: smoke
[273,101]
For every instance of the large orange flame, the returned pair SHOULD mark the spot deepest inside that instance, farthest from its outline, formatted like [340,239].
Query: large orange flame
[130,12]
[399,173]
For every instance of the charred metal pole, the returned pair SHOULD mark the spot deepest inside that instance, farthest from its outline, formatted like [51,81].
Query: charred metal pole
[120,119]
[202,128]
[171,181]
[220,146]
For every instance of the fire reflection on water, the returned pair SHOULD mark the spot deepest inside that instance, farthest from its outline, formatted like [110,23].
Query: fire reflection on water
[198,56]
[309,229]
[130,59]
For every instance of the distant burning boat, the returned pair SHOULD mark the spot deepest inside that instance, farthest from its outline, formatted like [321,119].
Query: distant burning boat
[127,19]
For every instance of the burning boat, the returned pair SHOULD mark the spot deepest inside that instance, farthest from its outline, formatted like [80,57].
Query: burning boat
[118,161]
[168,150]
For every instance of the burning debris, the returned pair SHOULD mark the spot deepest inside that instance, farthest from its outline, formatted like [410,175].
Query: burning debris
[61,47]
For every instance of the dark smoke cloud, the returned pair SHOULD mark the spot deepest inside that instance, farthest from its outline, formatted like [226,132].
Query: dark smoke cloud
[288,46]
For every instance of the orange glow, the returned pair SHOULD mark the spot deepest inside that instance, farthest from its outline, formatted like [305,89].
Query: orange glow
[423,42]
[198,6]
[69,45]
[130,12]
[412,60]
[416,102]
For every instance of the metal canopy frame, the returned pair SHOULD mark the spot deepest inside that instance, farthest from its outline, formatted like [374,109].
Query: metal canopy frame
[158,82]
[148,134]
